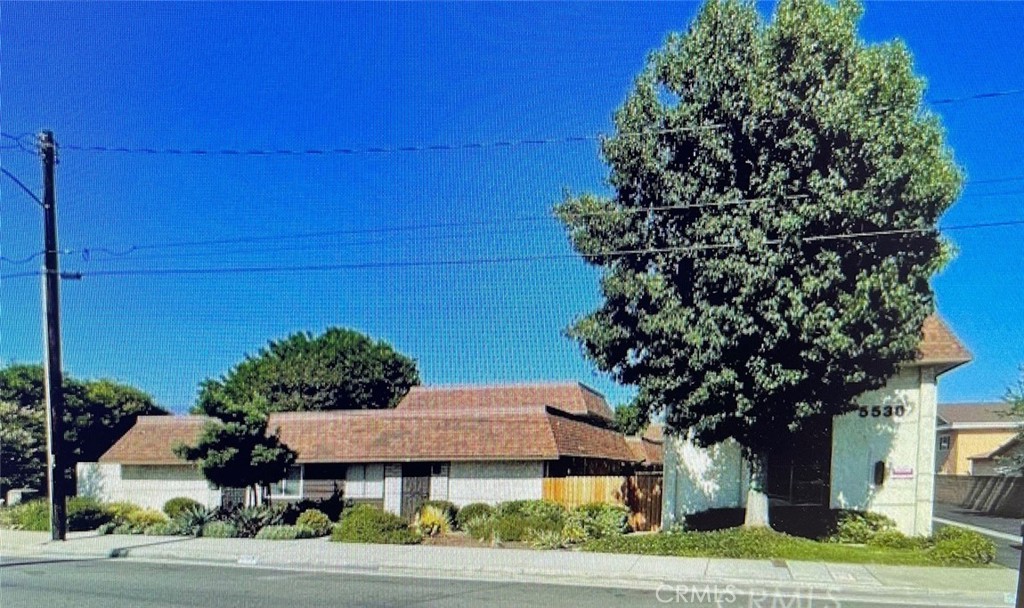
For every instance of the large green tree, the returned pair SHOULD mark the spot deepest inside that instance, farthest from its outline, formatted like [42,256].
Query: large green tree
[768,244]
[96,414]
[235,449]
[338,370]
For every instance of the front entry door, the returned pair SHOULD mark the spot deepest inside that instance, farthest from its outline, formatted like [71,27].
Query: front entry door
[415,488]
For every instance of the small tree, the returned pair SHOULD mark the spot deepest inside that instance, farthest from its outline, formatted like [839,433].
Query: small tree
[1013,463]
[767,249]
[236,451]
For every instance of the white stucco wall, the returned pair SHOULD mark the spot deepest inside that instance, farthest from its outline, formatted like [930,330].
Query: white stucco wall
[906,444]
[147,486]
[494,482]
[698,479]
[364,481]
[393,488]
[439,483]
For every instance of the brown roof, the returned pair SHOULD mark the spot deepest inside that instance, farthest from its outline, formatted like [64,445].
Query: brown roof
[978,413]
[572,398]
[939,346]
[153,438]
[647,451]
[493,433]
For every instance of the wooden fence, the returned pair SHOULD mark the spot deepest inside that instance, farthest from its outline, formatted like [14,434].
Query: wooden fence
[640,493]
[996,495]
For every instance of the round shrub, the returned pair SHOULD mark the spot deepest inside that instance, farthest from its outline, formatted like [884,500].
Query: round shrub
[176,506]
[368,524]
[544,509]
[517,528]
[167,528]
[219,529]
[959,547]
[85,514]
[481,528]
[119,511]
[284,533]
[472,511]
[316,521]
[598,519]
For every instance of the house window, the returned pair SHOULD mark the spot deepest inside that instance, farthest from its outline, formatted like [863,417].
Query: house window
[944,442]
[290,486]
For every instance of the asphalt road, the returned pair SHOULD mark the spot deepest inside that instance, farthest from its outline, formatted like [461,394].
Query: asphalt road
[1007,551]
[105,583]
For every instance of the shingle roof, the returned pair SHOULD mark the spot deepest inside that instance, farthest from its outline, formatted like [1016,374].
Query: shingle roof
[940,346]
[647,451]
[572,398]
[985,413]
[153,438]
[427,434]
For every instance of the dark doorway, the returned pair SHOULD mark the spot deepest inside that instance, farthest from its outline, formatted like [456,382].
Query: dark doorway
[415,488]
[800,469]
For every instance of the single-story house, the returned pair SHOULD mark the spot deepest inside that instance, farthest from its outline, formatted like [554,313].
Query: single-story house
[971,435]
[879,458]
[463,444]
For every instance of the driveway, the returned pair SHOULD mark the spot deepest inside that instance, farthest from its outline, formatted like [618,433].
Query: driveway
[999,529]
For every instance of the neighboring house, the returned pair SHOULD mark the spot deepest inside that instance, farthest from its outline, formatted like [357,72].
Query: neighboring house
[880,458]
[649,448]
[971,436]
[463,444]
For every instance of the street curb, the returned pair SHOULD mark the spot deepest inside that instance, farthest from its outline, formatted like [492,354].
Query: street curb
[783,589]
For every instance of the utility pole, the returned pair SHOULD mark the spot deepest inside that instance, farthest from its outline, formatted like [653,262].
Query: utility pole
[53,377]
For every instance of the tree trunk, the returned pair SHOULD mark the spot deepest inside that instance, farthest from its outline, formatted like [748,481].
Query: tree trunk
[757,499]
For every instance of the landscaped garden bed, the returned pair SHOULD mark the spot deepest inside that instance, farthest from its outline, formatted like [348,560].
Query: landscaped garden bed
[852,537]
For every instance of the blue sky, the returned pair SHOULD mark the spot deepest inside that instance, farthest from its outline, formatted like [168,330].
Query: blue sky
[304,76]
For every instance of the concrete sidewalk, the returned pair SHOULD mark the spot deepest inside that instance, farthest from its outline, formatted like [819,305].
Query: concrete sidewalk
[944,586]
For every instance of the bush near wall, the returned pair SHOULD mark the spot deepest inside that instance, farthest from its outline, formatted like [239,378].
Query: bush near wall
[369,524]
[85,514]
[316,521]
[219,529]
[472,511]
[176,506]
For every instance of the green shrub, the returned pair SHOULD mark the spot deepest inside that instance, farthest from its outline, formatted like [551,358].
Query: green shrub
[167,528]
[316,521]
[859,527]
[472,511]
[544,509]
[447,507]
[546,539]
[894,539]
[191,521]
[284,533]
[959,547]
[219,529]
[432,521]
[125,529]
[139,520]
[119,511]
[107,528]
[176,506]
[517,528]
[85,513]
[33,515]
[481,528]
[598,519]
[369,524]
[248,521]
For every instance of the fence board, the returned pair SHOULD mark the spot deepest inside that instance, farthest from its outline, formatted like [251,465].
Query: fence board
[641,494]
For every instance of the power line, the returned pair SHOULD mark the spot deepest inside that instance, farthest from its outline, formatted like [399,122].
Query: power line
[509,259]
[21,184]
[507,143]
